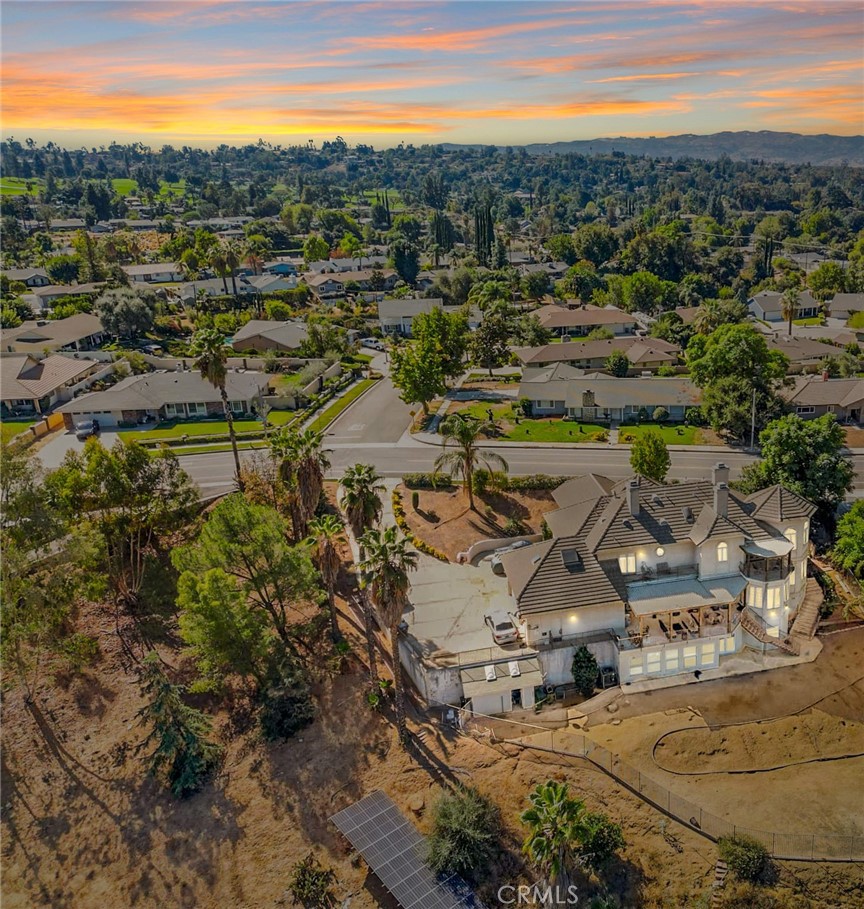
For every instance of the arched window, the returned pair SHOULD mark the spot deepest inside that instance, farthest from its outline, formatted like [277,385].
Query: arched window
[722,552]
[791,536]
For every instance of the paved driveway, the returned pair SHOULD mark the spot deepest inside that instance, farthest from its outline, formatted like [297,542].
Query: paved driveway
[54,450]
[377,416]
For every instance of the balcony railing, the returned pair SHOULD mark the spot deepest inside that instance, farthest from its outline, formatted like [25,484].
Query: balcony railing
[765,570]
[662,572]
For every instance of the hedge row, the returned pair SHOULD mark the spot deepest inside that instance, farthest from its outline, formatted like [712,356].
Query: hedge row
[416,542]
[533,481]
[426,481]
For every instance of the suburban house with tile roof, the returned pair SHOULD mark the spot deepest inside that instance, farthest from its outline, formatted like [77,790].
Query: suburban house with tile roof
[643,353]
[663,580]
[574,318]
[844,305]
[562,390]
[32,384]
[31,277]
[166,396]
[813,396]
[767,305]
[154,273]
[266,334]
[82,331]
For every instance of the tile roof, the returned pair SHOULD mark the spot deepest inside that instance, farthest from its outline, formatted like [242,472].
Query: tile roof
[777,503]
[153,390]
[396,309]
[558,574]
[814,390]
[580,489]
[57,331]
[638,350]
[284,334]
[578,566]
[23,376]
[555,316]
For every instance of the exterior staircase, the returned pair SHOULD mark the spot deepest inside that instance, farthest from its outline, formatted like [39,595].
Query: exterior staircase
[807,617]
[721,870]
[753,625]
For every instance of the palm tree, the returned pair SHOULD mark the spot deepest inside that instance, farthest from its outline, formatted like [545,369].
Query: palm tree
[789,305]
[553,821]
[464,432]
[233,258]
[253,259]
[384,570]
[216,260]
[211,361]
[302,466]
[361,497]
[325,530]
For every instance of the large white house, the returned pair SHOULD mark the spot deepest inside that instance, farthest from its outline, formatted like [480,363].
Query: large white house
[656,581]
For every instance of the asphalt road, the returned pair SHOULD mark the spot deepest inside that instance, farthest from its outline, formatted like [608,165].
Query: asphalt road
[378,416]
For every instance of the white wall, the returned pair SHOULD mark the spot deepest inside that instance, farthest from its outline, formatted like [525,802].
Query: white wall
[709,566]
[580,620]
[678,658]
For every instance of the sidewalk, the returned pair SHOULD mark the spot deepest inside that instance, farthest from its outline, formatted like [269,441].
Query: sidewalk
[429,438]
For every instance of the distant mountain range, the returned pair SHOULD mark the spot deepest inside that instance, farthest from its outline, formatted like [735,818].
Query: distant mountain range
[790,148]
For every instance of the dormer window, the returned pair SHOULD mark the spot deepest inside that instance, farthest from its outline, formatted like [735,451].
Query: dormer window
[722,552]
[627,564]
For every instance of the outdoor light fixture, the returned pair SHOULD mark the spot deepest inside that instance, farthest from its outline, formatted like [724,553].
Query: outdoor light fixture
[660,550]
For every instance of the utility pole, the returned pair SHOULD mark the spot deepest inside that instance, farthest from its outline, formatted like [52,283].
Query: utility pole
[753,422]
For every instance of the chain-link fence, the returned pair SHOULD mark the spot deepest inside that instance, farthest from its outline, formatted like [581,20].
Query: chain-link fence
[828,847]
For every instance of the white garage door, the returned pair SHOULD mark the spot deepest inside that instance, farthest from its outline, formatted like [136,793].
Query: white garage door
[106,418]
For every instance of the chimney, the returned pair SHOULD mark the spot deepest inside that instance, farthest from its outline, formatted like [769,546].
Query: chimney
[633,497]
[721,499]
[720,473]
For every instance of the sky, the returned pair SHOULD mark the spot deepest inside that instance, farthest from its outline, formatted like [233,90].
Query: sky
[381,73]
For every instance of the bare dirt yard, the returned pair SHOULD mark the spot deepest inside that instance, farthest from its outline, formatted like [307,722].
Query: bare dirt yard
[444,520]
[83,827]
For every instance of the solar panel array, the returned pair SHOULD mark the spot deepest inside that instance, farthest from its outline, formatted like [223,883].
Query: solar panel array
[395,851]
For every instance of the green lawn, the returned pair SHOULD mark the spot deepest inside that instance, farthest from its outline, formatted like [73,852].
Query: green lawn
[555,430]
[11,428]
[480,410]
[672,434]
[123,186]
[179,188]
[209,449]
[330,413]
[856,320]
[175,430]
[816,320]
[17,186]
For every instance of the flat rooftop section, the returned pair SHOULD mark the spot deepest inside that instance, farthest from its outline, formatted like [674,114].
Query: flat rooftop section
[449,603]
[395,852]
[685,593]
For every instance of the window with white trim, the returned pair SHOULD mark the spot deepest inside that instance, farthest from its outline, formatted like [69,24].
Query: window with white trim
[806,532]
[722,552]
[804,410]
[627,564]
[174,410]
[774,599]
[792,536]
[237,406]
[754,596]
